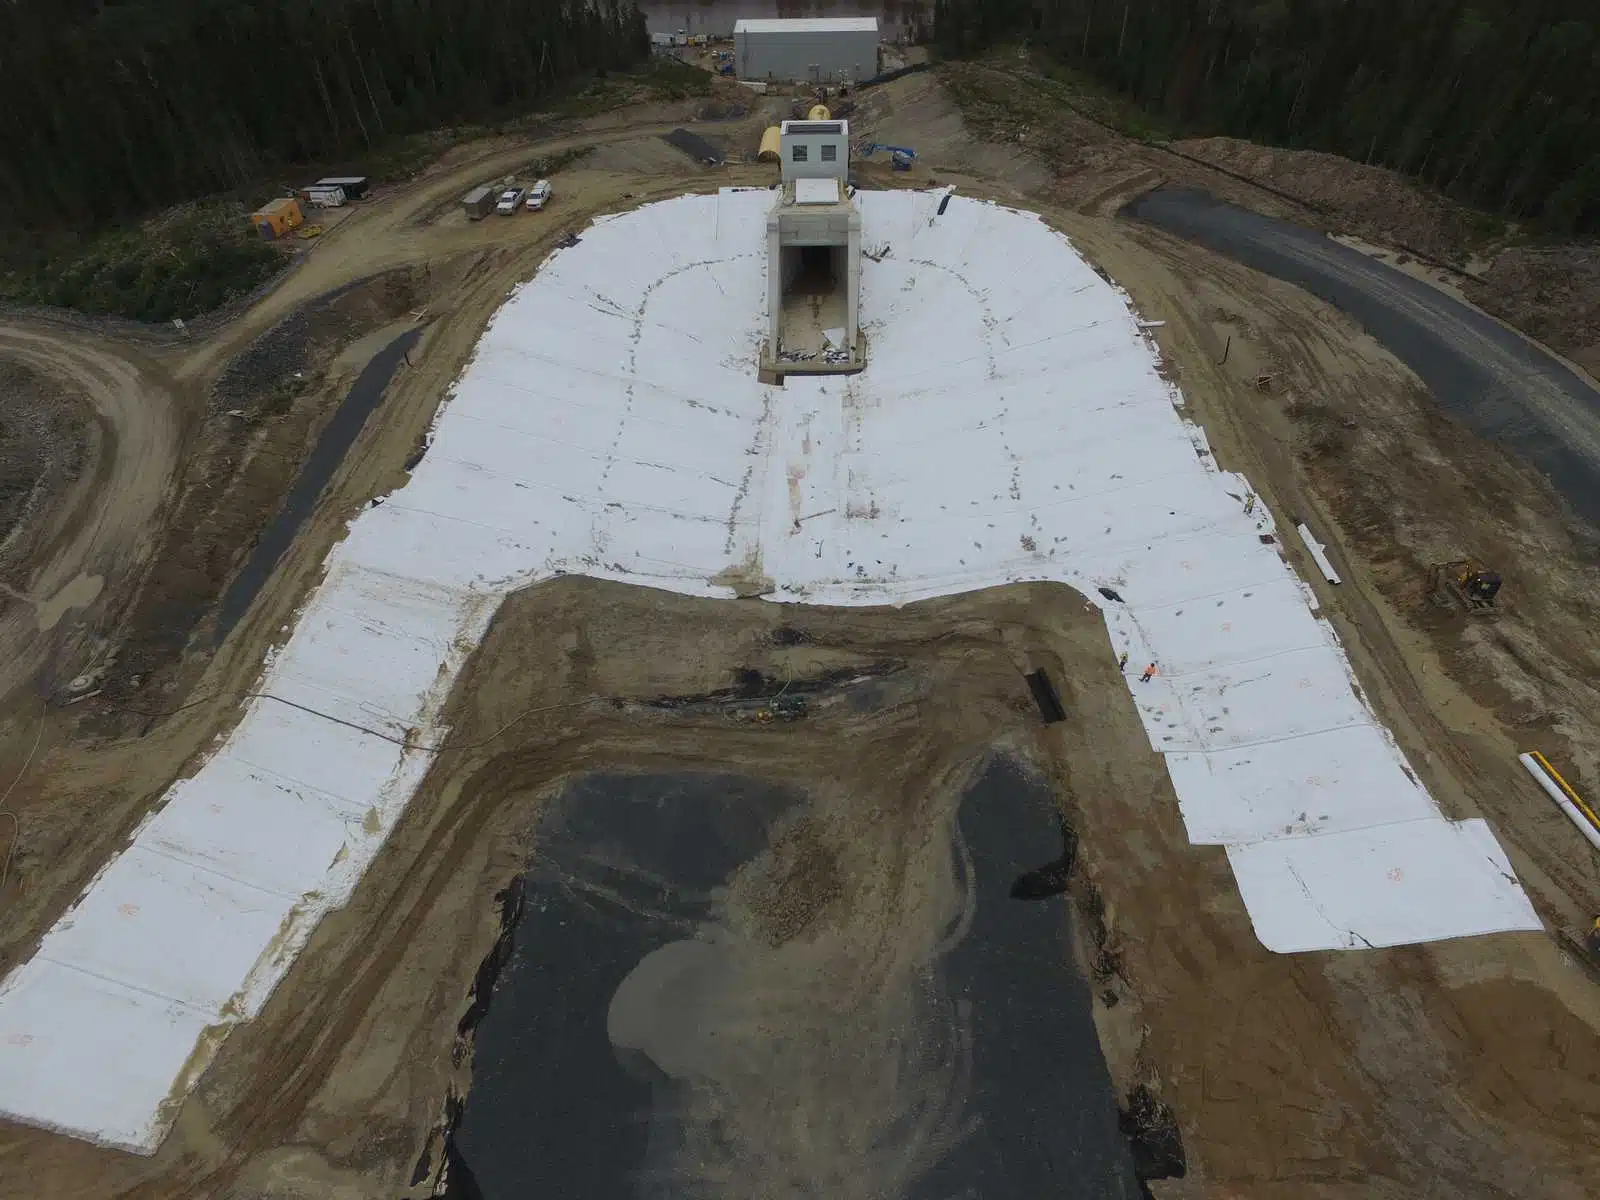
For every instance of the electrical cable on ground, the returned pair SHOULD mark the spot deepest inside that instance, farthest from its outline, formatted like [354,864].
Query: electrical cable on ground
[405,743]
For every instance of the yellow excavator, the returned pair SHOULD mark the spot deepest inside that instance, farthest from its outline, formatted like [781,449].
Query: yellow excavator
[1464,586]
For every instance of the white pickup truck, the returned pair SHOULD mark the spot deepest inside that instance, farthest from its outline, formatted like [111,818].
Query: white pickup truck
[539,195]
[510,201]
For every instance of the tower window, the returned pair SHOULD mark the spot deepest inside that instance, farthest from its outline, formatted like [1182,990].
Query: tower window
[799,154]
[830,153]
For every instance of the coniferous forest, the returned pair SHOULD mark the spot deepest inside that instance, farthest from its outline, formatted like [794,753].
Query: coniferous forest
[113,107]
[1495,102]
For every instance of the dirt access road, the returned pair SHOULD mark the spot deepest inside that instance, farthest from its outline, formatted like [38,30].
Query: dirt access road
[97,534]
[1465,1069]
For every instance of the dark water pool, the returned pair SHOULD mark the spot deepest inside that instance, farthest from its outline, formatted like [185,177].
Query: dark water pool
[626,878]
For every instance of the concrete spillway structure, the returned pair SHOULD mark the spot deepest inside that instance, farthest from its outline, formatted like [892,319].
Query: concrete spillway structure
[813,255]
[1011,425]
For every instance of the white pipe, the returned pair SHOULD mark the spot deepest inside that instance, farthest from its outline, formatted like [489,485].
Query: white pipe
[1567,806]
[1318,552]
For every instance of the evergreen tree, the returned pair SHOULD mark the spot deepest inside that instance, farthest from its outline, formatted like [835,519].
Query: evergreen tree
[1496,102]
[111,107]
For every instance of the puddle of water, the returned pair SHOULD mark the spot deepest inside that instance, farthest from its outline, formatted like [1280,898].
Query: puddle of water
[341,431]
[637,1046]
[80,593]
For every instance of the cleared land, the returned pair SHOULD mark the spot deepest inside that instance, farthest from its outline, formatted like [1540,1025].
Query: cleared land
[1466,1068]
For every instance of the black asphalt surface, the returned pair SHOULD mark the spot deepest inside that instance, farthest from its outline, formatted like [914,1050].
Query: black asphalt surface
[319,466]
[627,865]
[1496,381]
[695,146]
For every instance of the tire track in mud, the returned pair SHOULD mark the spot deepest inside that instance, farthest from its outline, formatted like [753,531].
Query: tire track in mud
[107,523]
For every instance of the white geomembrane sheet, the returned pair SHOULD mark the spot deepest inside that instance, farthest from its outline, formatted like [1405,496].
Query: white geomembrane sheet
[1010,425]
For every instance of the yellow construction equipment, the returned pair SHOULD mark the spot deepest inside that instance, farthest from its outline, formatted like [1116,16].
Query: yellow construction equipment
[1464,586]
[771,145]
[819,112]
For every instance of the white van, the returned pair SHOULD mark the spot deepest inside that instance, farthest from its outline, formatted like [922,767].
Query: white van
[539,195]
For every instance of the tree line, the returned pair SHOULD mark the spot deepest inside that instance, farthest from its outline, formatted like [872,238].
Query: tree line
[1494,102]
[113,107]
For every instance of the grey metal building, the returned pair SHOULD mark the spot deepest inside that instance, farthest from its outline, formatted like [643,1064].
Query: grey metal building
[814,50]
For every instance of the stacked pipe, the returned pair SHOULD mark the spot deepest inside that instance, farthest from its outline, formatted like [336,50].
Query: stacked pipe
[1559,790]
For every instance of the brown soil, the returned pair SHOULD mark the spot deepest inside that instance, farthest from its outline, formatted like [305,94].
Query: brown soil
[86,550]
[1549,292]
[1461,1069]
[45,439]
[262,418]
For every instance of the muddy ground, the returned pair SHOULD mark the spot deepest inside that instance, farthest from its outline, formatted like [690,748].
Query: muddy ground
[46,435]
[1463,1069]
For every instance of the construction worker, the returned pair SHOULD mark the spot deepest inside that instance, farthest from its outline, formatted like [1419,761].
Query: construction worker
[1122,663]
[1149,672]
[1593,940]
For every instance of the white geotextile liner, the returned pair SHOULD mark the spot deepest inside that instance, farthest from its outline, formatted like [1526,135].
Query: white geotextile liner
[1010,426]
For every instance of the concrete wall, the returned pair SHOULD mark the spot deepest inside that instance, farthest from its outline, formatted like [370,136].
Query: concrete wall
[814,164]
[831,56]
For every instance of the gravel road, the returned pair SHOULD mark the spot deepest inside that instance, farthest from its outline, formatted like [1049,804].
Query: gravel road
[1504,386]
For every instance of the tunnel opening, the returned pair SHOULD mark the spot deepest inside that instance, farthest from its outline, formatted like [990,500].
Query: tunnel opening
[813,298]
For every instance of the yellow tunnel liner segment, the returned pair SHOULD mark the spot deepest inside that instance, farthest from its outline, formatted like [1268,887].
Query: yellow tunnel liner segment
[771,147]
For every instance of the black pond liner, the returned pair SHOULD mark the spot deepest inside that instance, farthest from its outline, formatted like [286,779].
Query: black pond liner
[334,443]
[628,864]
[695,146]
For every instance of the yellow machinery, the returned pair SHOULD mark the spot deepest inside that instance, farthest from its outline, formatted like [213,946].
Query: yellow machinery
[771,145]
[819,112]
[1464,586]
